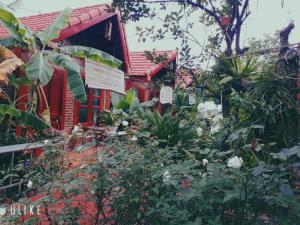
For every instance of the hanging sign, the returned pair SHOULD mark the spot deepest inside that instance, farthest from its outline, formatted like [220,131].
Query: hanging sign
[101,76]
[166,95]
[192,99]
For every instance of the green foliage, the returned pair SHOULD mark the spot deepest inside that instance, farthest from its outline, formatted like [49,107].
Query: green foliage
[169,129]
[107,118]
[178,22]
[30,120]
[272,105]
[53,31]
[92,54]
[22,118]
[8,110]
[39,69]
[181,98]
[10,139]
[165,173]
[146,185]
[235,70]
[17,30]
[73,75]
[130,102]
[20,81]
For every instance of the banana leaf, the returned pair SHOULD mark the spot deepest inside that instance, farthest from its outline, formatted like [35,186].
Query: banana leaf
[20,81]
[38,68]
[17,30]
[93,54]
[9,110]
[73,75]
[10,63]
[53,31]
[29,120]
[22,118]
[9,66]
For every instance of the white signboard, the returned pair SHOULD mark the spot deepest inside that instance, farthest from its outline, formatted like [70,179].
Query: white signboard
[101,76]
[192,99]
[166,95]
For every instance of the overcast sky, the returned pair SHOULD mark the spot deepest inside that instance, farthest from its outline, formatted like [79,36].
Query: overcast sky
[267,17]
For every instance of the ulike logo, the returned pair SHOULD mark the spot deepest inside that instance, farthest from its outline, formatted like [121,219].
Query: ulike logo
[18,209]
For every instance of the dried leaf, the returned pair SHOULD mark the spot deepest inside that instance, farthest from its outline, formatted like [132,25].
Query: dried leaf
[3,79]
[46,116]
[5,53]
[11,62]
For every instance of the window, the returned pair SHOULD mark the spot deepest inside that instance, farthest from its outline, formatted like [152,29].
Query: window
[88,112]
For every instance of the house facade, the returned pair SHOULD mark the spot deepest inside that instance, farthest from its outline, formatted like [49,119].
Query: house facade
[101,28]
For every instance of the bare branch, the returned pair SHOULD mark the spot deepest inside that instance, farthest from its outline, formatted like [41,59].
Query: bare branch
[208,11]
[246,4]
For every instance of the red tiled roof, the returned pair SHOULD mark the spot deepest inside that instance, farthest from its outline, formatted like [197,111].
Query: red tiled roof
[141,66]
[78,16]
[184,81]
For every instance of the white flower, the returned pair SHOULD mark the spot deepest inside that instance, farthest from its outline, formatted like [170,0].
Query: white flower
[218,118]
[199,131]
[235,162]
[29,184]
[215,128]
[134,138]
[46,142]
[210,106]
[2,211]
[204,162]
[79,148]
[167,176]
[120,133]
[100,158]
[216,123]
[75,129]
[125,123]
[208,109]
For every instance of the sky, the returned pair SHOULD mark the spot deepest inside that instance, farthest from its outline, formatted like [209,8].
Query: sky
[267,16]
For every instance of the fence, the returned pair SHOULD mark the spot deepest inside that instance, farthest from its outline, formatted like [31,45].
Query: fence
[11,183]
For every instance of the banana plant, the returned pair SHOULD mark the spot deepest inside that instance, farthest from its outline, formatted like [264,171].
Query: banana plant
[39,69]
[19,117]
[17,30]
[22,118]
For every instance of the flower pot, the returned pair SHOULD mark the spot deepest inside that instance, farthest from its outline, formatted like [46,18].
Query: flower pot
[225,20]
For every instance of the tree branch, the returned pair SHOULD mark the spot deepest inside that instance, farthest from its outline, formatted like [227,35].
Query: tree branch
[208,11]
[246,4]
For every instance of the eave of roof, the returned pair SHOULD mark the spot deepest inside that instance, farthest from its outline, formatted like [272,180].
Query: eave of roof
[80,19]
[141,66]
[79,16]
